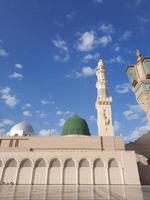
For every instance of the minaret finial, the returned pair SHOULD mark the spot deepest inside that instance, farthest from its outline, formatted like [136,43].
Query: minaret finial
[139,55]
[100,63]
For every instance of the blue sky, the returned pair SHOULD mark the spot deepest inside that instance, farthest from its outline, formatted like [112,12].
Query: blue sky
[48,55]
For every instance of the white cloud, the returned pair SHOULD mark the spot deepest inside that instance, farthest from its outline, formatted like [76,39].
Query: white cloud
[116,47]
[143,19]
[47,132]
[126,35]
[89,40]
[86,72]
[3,53]
[6,122]
[107,28]
[16,75]
[62,58]
[9,99]
[89,56]
[70,15]
[116,126]
[63,55]
[137,2]
[2,131]
[27,113]
[3,123]
[98,1]
[19,66]
[137,132]
[92,118]
[86,41]
[104,40]
[61,122]
[117,59]
[27,105]
[46,102]
[134,113]
[61,44]
[123,88]
[60,112]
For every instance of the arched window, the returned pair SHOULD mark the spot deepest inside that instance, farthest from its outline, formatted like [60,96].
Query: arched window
[55,163]
[40,163]
[112,163]
[11,163]
[98,163]
[26,163]
[84,163]
[69,163]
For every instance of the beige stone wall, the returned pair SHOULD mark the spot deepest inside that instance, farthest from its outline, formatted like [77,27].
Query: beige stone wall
[8,143]
[84,167]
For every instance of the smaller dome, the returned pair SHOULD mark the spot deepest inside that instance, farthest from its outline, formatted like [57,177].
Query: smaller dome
[76,126]
[21,129]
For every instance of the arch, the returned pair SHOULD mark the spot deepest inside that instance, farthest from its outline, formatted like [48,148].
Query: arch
[55,163]
[69,172]
[40,163]
[69,163]
[114,172]
[112,163]
[98,163]
[26,163]
[54,172]
[85,172]
[84,163]
[25,172]
[99,172]
[10,171]
[11,163]
[39,172]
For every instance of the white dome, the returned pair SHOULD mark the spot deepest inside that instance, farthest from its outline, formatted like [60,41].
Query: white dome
[21,129]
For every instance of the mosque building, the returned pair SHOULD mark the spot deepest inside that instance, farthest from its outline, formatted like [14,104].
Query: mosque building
[75,157]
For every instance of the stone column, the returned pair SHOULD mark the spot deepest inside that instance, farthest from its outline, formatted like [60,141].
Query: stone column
[77,173]
[32,174]
[46,178]
[17,174]
[62,173]
[92,174]
[107,176]
[123,178]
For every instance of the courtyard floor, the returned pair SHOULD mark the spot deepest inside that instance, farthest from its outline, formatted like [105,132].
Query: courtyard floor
[41,192]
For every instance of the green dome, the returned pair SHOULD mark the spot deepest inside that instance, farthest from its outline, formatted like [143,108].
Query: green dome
[76,126]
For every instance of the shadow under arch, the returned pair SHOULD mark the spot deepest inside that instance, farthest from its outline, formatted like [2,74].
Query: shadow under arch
[115,174]
[84,172]
[25,172]
[10,171]
[54,175]
[99,172]
[69,172]
[39,172]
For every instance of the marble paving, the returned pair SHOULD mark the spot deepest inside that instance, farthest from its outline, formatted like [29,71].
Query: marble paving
[41,192]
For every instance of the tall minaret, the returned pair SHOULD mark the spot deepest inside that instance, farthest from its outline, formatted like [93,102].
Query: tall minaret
[103,103]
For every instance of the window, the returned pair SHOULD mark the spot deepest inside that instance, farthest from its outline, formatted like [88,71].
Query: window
[16,143]
[11,143]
